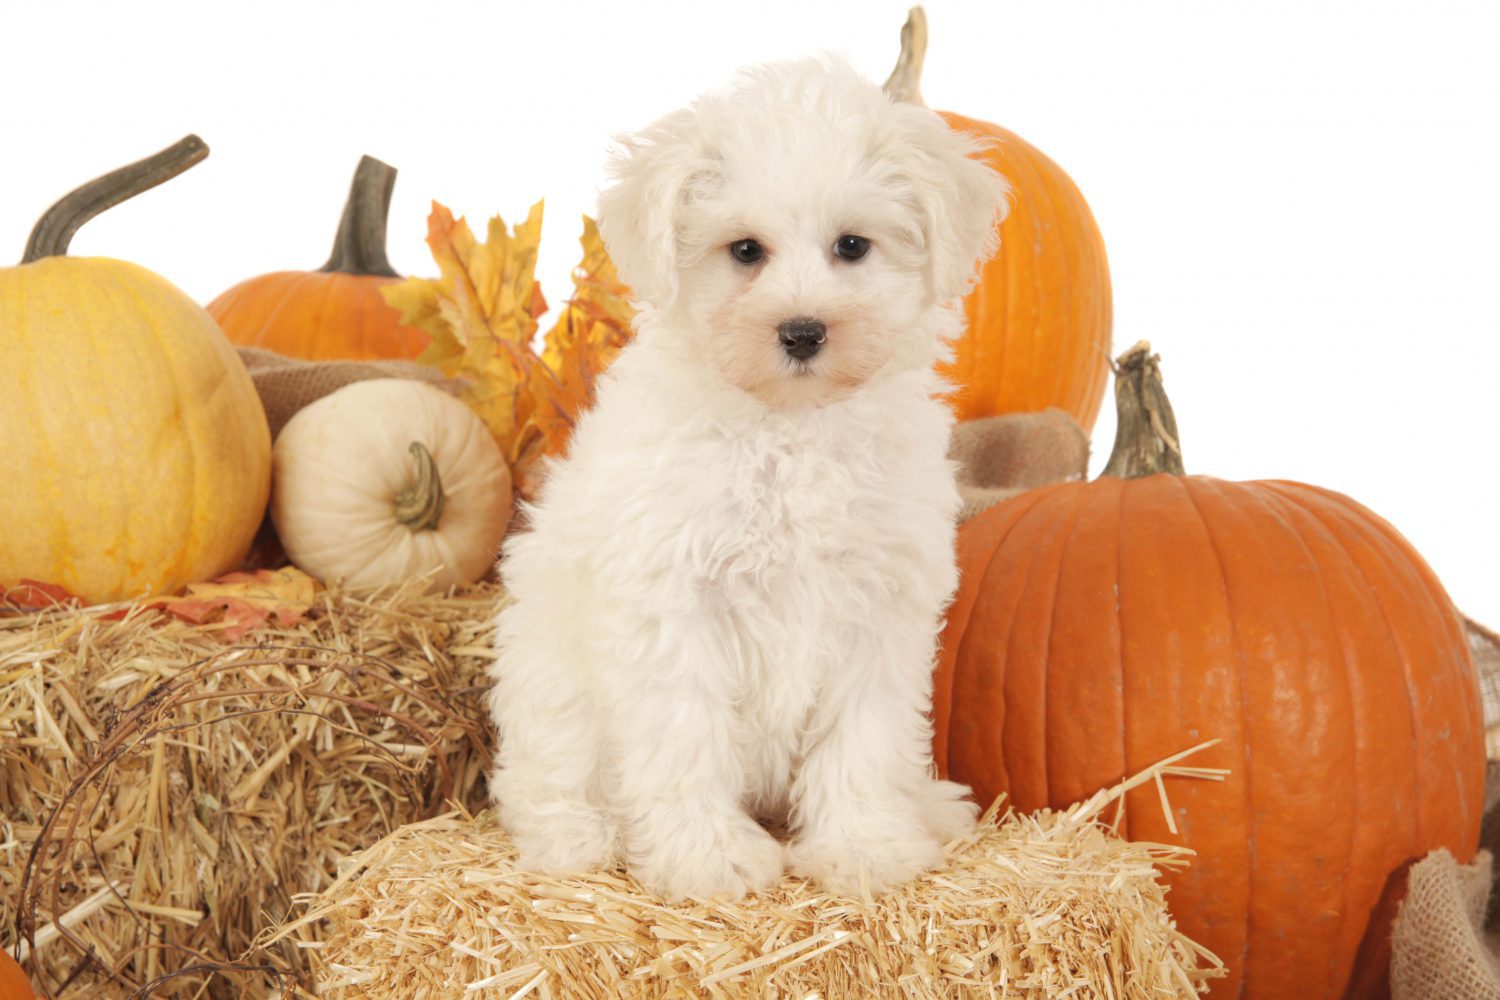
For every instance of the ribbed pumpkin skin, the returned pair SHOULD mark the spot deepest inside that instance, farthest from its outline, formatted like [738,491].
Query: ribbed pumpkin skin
[1102,626]
[137,456]
[1040,317]
[318,316]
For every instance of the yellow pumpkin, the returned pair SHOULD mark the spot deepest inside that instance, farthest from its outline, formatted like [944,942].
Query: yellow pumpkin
[137,453]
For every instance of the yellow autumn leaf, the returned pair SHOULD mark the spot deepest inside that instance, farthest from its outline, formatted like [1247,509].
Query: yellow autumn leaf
[482,314]
[599,297]
[288,585]
[592,327]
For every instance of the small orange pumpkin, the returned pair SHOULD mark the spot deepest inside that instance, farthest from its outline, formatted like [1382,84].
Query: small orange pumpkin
[336,311]
[1102,626]
[1040,317]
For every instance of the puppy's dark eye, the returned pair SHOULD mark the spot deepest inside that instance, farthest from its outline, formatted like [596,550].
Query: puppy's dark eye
[851,247]
[746,251]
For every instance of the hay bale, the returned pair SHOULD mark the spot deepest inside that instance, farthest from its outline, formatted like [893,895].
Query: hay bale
[1041,906]
[163,794]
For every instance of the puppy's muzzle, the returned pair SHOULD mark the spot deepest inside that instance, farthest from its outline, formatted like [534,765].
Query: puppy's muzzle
[802,337]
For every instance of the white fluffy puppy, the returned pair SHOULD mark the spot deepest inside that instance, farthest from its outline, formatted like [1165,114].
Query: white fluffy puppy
[726,607]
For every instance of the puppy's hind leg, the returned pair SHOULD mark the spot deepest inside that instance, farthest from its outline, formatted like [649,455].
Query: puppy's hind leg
[546,777]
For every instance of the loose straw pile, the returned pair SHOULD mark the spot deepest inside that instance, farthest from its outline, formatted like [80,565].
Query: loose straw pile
[163,795]
[1041,906]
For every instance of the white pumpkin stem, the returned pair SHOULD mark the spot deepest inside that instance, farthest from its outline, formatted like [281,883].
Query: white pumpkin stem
[1146,439]
[54,230]
[905,81]
[359,247]
[420,505]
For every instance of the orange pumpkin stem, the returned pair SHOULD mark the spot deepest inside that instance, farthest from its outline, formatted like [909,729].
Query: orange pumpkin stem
[905,81]
[54,230]
[1146,439]
[359,247]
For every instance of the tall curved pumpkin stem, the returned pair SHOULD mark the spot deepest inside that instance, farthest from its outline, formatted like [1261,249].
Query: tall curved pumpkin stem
[1146,439]
[359,247]
[905,81]
[54,230]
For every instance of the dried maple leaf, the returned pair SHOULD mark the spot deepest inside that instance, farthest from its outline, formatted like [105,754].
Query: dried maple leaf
[482,314]
[33,595]
[481,311]
[242,601]
[593,326]
[238,615]
[287,592]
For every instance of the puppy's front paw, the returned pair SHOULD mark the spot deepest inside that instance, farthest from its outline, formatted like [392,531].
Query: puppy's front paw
[723,859]
[884,862]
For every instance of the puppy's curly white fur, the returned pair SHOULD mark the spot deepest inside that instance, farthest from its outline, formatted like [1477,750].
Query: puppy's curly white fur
[726,606]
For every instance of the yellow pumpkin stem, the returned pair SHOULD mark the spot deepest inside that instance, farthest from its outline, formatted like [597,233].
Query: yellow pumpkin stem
[54,230]
[359,247]
[420,505]
[905,81]
[1146,439]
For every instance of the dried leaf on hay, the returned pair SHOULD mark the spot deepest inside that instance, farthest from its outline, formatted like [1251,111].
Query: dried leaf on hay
[482,313]
[1037,906]
[162,794]
[34,595]
[240,601]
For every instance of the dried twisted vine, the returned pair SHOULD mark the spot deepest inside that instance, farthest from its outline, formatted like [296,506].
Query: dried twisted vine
[138,729]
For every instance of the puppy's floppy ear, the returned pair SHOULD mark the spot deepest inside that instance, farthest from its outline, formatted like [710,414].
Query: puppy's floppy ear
[960,199]
[638,215]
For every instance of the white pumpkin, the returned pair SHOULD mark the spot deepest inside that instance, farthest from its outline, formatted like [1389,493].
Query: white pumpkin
[386,480]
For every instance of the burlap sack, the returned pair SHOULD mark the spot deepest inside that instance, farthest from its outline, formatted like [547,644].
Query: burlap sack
[1000,457]
[286,385]
[1438,947]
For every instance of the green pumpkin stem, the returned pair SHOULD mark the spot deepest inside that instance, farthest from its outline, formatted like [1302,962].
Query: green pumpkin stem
[359,247]
[1146,439]
[54,230]
[905,81]
[420,505]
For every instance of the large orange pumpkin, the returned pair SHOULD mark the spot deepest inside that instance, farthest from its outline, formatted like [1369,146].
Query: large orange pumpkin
[136,452]
[336,311]
[1102,626]
[1040,316]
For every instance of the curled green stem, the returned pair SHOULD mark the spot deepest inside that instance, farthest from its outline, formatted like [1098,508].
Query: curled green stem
[359,247]
[420,505]
[54,230]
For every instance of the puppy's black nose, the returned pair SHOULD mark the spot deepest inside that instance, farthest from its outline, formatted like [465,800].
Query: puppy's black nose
[801,337]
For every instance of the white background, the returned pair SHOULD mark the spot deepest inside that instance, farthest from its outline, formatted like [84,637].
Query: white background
[1299,197]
